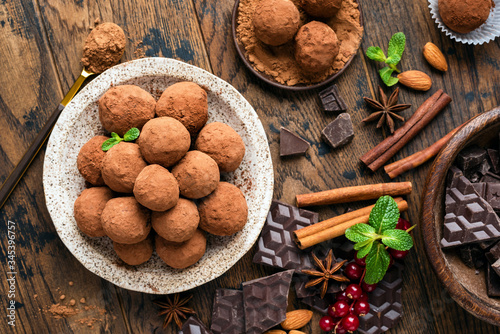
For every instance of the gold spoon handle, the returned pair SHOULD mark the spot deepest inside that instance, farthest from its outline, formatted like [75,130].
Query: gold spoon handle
[18,171]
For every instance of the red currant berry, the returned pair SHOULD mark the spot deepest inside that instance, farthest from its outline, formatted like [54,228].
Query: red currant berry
[361,308]
[353,291]
[326,323]
[403,224]
[340,309]
[353,271]
[351,323]
[341,295]
[340,330]
[363,297]
[361,262]
[368,287]
[398,255]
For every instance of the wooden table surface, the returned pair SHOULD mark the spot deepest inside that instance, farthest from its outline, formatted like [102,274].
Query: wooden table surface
[40,49]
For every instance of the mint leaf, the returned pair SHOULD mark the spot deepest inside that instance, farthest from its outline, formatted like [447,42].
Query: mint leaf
[363,248]
[375,53]
[397,239]
[385,74]
[360,233]
[393,60]
[396,45]
[385,214]
[377,262]
[115,136]
[110,143]
[132,134]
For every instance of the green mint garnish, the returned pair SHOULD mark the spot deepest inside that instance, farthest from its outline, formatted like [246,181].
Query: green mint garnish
[372,239]
[394,53]
[131,135]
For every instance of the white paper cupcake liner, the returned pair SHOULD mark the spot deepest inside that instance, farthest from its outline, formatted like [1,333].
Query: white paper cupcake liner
[484,34]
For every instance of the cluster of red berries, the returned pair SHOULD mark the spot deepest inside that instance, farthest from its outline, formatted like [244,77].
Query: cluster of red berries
[352,303]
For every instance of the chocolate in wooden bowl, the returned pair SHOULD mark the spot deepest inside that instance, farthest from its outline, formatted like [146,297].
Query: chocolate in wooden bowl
[269,79]
[462,283]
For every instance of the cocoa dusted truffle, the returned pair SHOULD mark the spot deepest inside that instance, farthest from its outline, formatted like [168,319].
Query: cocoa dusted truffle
[135,254]
[182,255]
[464,16]
[121,165]
[321,8]
[125,221]
[187,103]
[124,107]
[222,144]
[88,209]
[177,224]
[164,141]
[156,188]
[89,160]
[276,21]
[223,212]
[316,47]
[197,174]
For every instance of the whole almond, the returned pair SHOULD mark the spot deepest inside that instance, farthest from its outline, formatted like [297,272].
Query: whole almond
[416,80]
[435,57]
[296,319]
[295,332]
[275,331]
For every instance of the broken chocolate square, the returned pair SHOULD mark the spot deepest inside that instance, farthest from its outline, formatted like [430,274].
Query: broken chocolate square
[228,315]
[331,99]
[194,326]
[472,256]
[339,132]
[492,282]
[470,158]
[291,143]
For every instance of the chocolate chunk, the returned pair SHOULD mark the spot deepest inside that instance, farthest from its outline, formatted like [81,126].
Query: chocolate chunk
[470,158]
[492,282]
[495,160]
[496,266]
[228,315]
[276,246]
[265,300]
[194,326]
[484,167]
[494,253]
[291,143]
[472,256]
[331,99]
[469,218]
[339,132]
[493,195]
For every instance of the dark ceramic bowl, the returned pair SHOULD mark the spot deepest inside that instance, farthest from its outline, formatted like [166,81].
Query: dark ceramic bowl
[462,283]
[269,79]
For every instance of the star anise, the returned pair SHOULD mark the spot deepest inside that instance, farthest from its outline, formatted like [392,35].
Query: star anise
[174,309]
[385,109]
[327,272]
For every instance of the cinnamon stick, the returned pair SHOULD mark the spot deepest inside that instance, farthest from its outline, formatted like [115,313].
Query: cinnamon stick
[401,166]
[336,230]
[352,194]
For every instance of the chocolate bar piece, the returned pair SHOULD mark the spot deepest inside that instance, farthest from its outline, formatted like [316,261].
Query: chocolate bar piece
[472,256]
[331,99]
[318,304]
[490,178]
[228,315]
[194,326]
[291,143]
[496,266]
[385,303]
[492,282]
[339,132]
[469,218]
[493,195]
[494,253]
[265,300]
[495,160]
[470,158]
[276,246]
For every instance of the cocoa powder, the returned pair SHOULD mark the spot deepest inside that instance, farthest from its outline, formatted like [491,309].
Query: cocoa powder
[279,62]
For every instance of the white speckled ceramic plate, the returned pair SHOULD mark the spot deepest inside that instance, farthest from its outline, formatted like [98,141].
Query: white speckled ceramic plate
[79,122]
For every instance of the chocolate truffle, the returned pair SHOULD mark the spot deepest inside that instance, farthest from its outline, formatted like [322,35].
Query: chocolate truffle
[89,160]
[121,165]
[182,255]
[276,21]
[222,144]
[197,174]
[124,107]
[135,254]
[464,16]
[125,221]
[187,103]
[321,8]
[156,188]
[316,47]
[223,212]
[177,224]
[164,141]
[88,209]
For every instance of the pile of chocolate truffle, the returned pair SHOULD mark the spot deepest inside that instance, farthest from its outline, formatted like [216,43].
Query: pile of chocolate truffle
[156,191]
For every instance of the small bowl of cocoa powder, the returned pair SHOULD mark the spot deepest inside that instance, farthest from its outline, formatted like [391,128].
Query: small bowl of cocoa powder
[276,65]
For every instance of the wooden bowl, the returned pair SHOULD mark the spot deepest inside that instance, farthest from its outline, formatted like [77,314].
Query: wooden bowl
[269,79]
[462,283]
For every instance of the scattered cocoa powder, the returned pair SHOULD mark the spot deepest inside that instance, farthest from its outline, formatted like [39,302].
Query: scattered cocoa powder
[72,302]
[59,311]
[83,301]
[279,62]
[62,297]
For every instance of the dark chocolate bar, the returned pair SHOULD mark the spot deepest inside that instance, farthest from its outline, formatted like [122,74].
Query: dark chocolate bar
[492,282]
[470,158]
[194,326]
[228,315]
[291,143]
[472,255]
[339,132]
[276,246]
[331,99]
[265,300]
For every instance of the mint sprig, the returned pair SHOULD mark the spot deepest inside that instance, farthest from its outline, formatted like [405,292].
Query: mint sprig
[372,239]
[131,135]
[394,53]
